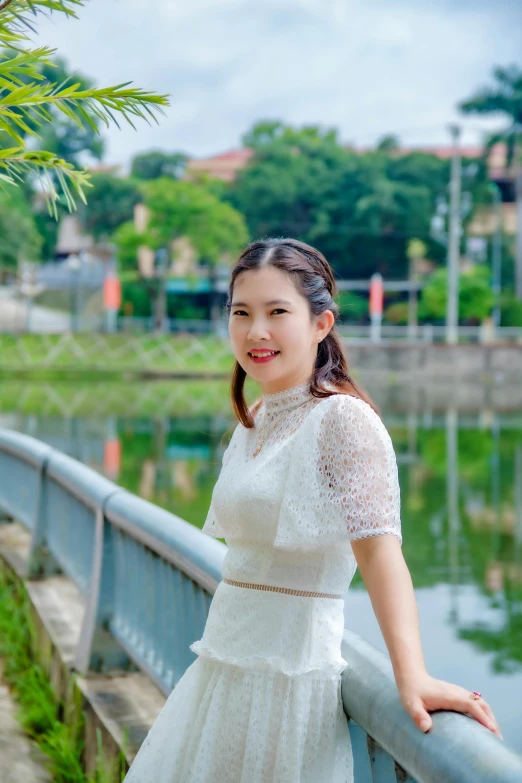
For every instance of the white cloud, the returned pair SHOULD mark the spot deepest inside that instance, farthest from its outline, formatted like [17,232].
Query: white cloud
[364,66]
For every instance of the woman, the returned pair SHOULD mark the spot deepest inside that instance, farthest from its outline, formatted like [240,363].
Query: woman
[307,492]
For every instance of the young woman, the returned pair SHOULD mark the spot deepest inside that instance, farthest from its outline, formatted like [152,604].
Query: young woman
[307,492]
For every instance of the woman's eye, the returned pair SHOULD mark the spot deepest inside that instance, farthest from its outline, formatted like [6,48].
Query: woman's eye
[277,310]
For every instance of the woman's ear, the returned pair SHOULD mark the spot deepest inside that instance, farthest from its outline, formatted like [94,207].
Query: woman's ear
[323,324]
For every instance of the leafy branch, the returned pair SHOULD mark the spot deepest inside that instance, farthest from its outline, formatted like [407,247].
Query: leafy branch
[29,102]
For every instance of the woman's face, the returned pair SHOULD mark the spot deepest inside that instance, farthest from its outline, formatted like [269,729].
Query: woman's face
[269,315]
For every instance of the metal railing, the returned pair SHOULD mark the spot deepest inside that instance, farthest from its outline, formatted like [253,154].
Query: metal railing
[147,578]
[430,333]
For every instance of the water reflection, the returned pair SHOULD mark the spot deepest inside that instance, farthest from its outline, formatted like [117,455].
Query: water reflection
[461,487]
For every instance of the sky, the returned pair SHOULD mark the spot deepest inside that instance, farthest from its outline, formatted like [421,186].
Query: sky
[365,67]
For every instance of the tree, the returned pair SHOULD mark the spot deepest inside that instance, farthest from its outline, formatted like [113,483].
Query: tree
[30,103]
[388,144]
[214,228]
[505,98]
[263,133]
[475,295]
[156,164]
[359,209]
[111,203]
[216,231]
[20,238]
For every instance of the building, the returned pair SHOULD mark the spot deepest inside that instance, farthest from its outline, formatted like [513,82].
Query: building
[224,166]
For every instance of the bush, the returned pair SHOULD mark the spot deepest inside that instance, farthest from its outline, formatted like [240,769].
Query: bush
[397,313]
[510,311]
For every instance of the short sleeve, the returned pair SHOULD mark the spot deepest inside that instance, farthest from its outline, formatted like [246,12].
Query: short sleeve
[358,469]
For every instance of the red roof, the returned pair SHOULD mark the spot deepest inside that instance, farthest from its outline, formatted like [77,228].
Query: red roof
[226,164]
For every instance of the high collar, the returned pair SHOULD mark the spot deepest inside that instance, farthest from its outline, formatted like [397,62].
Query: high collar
[287,398]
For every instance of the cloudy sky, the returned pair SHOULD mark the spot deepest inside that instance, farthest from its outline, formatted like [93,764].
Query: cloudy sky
[366,67]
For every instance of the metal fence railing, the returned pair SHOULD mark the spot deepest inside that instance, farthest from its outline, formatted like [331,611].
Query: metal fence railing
[148,577]
[28,318]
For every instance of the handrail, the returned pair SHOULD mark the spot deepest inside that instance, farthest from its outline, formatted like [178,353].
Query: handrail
[148,577]
[457,749]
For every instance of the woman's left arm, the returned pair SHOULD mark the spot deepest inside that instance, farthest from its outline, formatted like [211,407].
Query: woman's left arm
[389,585]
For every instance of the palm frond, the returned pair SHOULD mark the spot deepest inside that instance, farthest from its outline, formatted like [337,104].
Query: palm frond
[15,163]
[28,101]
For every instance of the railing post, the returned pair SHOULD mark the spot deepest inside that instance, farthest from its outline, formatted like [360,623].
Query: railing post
[40,561]
[97,649]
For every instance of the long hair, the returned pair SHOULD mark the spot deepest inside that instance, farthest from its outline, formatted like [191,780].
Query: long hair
[314,280]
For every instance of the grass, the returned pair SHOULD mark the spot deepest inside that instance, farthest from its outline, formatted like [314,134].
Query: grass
[39,711]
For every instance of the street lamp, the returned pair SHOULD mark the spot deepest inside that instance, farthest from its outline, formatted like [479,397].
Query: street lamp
[452,307]
[496,261]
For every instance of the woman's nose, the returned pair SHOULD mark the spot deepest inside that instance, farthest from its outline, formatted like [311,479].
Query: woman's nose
[258,331]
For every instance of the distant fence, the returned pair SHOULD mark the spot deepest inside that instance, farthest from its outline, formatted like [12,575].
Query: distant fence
[148,577]
[27,321]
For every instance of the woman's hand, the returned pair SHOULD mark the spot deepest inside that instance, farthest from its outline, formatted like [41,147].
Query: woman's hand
[423,694]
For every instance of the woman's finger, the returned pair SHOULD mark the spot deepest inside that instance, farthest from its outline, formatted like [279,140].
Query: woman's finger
[489,712]
[458,698]
[475,709]
[482,708]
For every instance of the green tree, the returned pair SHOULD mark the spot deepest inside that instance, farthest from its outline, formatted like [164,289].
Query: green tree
[156,164]
[127,241]
[111,203]
[21,240]
[475,295]
[216,231]
[359,209]
[30,103]
[504,97]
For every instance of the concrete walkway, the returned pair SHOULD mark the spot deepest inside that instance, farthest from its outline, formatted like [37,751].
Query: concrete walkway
[14,316]
[20,759]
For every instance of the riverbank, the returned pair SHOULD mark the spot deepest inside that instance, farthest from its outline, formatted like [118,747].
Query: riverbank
[100,397]
[123,357]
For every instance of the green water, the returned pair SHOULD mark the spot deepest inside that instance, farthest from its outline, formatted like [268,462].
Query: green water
[461,487]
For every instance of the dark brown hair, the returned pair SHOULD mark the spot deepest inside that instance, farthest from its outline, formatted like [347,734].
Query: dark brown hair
[314,280]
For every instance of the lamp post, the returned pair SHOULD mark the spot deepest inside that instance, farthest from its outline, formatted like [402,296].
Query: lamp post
[376,306]
[496,261]
[74,264]
[452,308]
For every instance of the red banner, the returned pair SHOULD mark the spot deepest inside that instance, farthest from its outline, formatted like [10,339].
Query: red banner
[112,293]
[376,294]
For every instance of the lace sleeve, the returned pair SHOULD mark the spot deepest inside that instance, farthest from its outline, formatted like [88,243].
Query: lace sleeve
[359,470]
[211,525]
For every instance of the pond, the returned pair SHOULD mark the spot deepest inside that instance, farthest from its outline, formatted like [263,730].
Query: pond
[461,487]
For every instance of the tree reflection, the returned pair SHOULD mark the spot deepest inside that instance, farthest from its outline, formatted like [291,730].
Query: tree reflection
[460,475]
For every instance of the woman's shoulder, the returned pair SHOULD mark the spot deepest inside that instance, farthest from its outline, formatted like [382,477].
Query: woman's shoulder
[351,416]
[346,405]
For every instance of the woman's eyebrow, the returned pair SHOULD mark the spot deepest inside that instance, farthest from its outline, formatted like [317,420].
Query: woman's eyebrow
[270,302]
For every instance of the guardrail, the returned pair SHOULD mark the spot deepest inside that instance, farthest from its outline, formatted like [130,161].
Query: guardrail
[148,577]
[24,321]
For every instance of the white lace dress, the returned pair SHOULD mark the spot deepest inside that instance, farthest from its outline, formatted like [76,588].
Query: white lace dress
[262,702]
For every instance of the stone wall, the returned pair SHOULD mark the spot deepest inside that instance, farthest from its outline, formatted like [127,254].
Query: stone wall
[466,361]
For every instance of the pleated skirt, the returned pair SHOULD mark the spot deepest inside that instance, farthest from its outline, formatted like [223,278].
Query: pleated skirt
[226,724]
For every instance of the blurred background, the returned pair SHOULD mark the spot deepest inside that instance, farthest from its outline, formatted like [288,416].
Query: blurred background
[388,137]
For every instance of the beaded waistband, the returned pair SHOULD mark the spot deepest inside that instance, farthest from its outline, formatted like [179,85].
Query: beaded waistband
[288,590]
